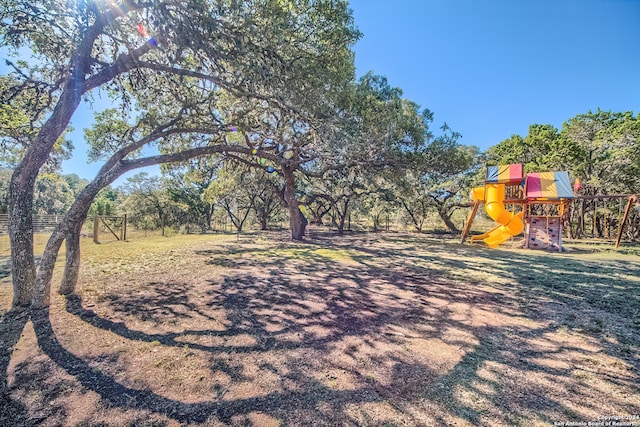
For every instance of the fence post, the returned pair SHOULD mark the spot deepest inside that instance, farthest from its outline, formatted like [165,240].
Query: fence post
[96,228]
[124,227]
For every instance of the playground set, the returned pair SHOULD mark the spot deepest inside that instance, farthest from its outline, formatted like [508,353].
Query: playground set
[542,200]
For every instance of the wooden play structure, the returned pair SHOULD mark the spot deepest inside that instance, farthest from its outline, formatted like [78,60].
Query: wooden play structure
[536,204]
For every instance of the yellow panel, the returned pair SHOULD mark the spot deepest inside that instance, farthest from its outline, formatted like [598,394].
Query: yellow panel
[477,194]
[548,184]
[504,173]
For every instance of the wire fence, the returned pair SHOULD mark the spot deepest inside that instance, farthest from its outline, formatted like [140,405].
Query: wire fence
[43,226]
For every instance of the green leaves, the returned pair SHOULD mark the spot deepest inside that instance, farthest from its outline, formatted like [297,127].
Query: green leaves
[53,195]
[605,152]
[110,132]
[537,151]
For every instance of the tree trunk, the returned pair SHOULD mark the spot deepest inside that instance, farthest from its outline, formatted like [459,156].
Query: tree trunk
[318,214]
[600,226]
[72,265]
[68,228]
[242,221]
[412,214]
[209,215]
[41,291]
[581,231]
[23,267]
[317,219]
[571,216]
[342,215]
[297,221]
[446,218]
[263,223]
[341,225]
[376,222]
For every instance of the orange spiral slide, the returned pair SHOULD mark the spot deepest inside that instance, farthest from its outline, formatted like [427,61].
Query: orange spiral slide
[509,224]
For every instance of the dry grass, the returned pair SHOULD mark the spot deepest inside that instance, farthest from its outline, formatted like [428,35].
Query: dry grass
[385,330]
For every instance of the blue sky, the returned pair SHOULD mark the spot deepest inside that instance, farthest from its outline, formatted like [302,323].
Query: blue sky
[490,68]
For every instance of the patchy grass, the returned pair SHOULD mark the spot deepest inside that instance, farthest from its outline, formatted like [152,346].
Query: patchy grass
[369,329]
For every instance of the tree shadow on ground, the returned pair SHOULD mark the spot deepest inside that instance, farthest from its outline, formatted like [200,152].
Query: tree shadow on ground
[5,267]
[12,412]
[389,332]
[116,394]
[555,287]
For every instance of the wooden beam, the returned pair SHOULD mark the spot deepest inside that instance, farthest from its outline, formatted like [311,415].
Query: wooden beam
[472,215]
[109,228]
[632,199]
[605,196]
[544,202]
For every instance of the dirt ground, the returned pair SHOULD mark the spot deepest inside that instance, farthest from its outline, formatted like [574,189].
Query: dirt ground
[363,330]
